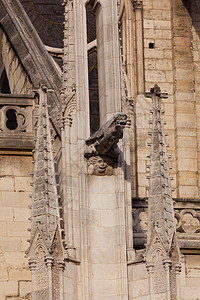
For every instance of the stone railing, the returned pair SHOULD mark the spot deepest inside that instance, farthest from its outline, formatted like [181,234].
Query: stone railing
[187,218]
[16,121]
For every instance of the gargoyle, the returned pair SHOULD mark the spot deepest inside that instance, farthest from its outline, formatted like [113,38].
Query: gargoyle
[104,140]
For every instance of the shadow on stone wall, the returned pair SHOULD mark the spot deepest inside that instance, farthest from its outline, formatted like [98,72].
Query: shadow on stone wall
[193,7]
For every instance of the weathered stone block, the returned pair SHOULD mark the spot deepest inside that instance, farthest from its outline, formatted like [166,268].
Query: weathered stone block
[6,183]
[188,178]
[187,153]
[161,4]
[150,64]
[22,184]
[163,64]
[152,33]
[187,164]
[16,259]
[160,24]
[148,23]
[21,214]
[8,288]
[188,192]
[137,272]
[15,199]
[153,53]
[25,287]
[17,229]
[16,274]
[6,214]
[185,121]
[139,288]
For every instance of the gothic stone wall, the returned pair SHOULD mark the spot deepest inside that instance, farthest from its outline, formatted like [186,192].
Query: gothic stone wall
[14,213]
[189,279]
[171,59]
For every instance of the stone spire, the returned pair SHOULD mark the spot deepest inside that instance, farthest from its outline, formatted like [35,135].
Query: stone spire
[46,251]
[45,210]
[162,252]
[160,214]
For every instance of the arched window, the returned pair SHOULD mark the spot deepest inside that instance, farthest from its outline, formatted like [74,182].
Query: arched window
[92,69]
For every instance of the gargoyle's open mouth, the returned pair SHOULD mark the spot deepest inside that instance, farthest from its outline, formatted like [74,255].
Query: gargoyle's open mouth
[122,122]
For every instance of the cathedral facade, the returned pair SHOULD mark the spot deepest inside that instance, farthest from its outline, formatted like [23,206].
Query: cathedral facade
[99,150]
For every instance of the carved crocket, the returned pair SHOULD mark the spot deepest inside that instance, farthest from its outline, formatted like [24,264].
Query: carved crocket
[104,141]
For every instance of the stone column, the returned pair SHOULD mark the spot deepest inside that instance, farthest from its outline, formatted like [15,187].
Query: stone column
[178,273]
[49,261]
[83,132]
[167,264]
[108,59]
[127,192]
[150,267]
[138,7]
[68,203]
[32,266]
[61,266]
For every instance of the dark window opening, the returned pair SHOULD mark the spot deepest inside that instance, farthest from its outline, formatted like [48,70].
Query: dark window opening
[151,45]
[92,72]
[4,84]
[11,122]
[93,92]
[91,24]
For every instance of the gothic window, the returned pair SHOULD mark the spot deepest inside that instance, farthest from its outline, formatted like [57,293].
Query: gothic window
[92,69]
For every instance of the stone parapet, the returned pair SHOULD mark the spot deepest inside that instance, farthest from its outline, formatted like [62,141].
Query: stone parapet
[187,215]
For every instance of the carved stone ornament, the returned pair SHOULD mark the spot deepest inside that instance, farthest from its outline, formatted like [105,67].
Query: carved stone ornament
[101,148]
[104,140]
[137,4]
[100,166]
